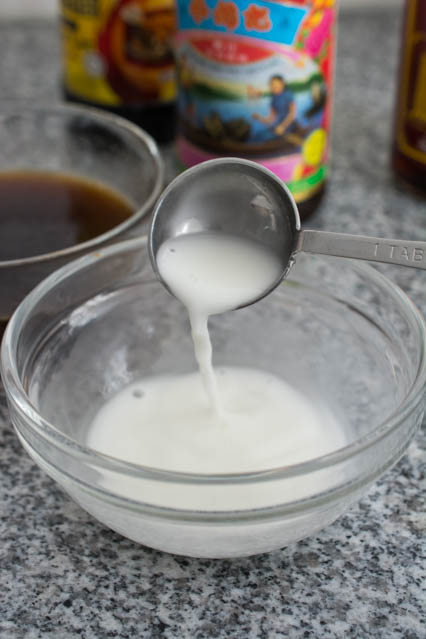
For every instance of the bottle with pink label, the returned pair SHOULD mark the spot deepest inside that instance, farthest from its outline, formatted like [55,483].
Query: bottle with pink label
[255,81]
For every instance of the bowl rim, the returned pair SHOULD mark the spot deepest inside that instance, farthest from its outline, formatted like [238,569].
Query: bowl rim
[15,391]
[18,108]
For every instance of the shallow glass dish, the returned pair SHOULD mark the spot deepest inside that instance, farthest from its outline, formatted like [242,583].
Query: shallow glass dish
[79,142]
[336,329]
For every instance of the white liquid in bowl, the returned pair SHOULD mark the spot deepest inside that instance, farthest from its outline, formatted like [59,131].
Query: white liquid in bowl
[243,420]
[167,422]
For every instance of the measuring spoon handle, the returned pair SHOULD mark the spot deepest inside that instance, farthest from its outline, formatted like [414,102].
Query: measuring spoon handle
[359,247]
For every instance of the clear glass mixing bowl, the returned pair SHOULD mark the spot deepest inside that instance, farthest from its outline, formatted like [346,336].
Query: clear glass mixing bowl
[337,330]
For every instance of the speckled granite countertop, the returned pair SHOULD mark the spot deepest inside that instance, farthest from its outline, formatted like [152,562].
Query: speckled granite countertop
[63,575]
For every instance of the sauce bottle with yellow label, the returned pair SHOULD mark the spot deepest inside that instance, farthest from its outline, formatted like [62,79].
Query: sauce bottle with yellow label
[409,147]
[256,81]
[118,56]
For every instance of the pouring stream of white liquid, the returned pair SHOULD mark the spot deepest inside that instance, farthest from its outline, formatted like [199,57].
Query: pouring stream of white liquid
[212,273]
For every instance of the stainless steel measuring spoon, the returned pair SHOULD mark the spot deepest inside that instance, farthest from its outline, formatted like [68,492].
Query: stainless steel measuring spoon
[240,197]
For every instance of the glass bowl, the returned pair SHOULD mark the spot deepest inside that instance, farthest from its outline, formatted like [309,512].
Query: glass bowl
[82,142]
[336,329]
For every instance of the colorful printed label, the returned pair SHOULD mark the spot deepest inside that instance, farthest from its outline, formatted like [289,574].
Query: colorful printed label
[119,52]
[411,117]
[255,80]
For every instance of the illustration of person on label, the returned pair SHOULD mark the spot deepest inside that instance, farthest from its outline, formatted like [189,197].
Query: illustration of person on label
[282,117]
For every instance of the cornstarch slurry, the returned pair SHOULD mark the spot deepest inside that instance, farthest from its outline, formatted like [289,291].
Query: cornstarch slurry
[226,420]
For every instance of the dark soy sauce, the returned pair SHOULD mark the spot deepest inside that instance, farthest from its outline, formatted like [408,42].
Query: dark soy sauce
[42,212]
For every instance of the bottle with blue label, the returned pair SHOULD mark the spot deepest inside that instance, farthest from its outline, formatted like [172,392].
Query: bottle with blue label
[255,81]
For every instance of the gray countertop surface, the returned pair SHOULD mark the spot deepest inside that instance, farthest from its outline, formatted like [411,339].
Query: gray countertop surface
[62,574]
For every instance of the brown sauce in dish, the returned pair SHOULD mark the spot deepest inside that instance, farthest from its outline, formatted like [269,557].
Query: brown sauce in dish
[42,212]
